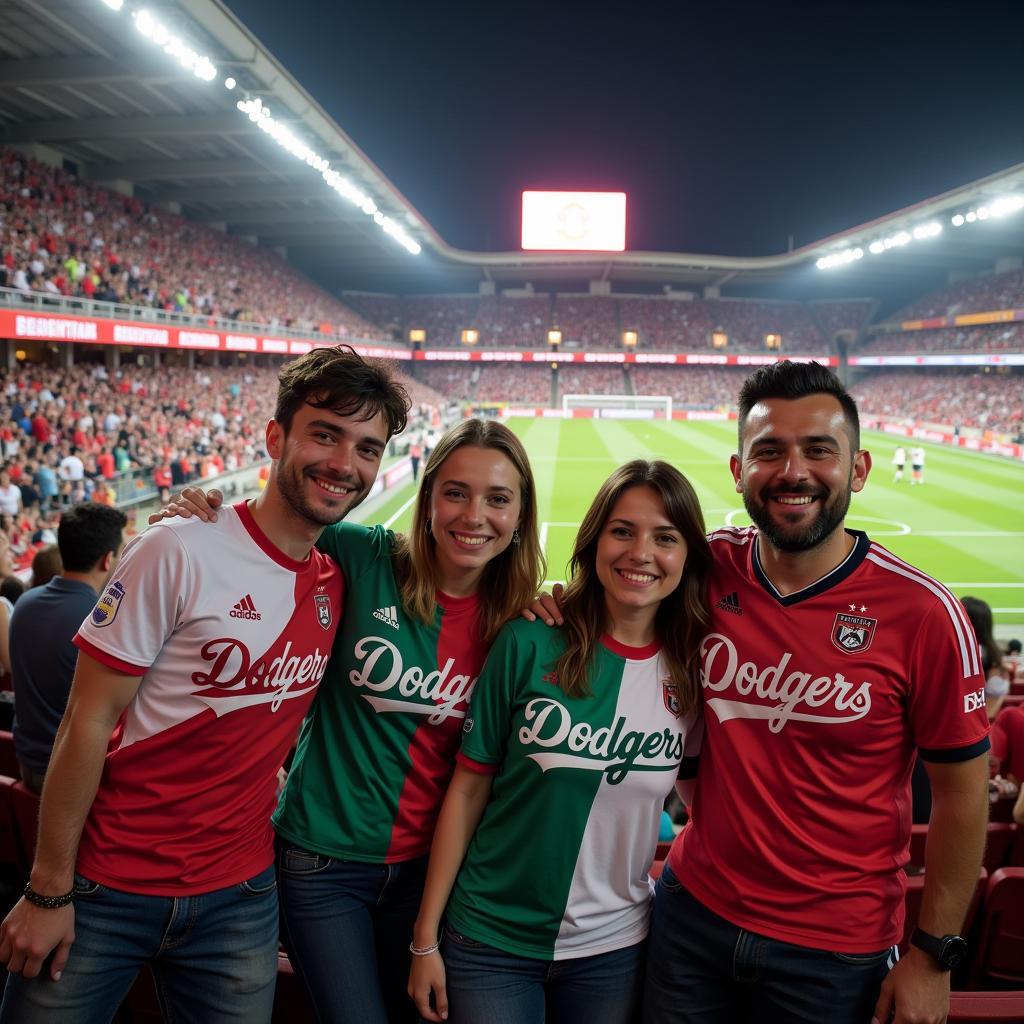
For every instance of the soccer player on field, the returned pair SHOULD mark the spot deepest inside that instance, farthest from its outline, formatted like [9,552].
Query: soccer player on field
[195,669]
[574,738]
[899,460]
[829,664]
[916,466]
[377,752]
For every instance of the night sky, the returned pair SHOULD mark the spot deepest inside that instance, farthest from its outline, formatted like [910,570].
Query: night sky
[731,128]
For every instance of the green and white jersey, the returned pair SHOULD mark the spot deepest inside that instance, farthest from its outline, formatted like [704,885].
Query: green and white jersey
[377,750]
[558,866]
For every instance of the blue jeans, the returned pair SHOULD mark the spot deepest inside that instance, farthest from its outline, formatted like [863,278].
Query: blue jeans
[701,969]
[214,957]
[488,985]
[347,926]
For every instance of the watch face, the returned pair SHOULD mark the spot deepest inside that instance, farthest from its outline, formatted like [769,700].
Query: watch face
[954,951]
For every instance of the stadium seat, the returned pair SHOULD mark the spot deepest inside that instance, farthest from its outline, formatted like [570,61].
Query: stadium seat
[25,805]
[999,948]
[10,848]
[8,761]
[912,903]
[1001,839]
[986,1007]
[1013,700]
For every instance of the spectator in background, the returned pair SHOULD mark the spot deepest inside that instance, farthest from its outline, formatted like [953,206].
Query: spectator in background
[1013,657]
[6,606]
[46,564]
[997,686]
[10,494]
[11,588]
[89,539]
[48,487]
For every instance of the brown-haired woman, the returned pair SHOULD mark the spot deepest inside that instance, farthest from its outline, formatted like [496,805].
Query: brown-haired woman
[575,737]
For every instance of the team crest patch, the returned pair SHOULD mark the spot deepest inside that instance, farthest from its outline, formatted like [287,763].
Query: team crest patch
[670,694]
[106,607]
[323,609]
[853,633]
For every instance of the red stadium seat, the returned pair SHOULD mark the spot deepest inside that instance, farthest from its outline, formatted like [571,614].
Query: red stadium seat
[11,859]
[8,761]
[26,819]
[1002,809]
[1012,700]
[986,1007]
[1001,837]
[912,903]
[999,949]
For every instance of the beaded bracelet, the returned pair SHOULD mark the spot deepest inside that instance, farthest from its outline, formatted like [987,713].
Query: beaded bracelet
[425,950]
[46,902]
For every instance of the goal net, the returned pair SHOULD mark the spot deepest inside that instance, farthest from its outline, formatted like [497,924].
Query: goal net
[623,407]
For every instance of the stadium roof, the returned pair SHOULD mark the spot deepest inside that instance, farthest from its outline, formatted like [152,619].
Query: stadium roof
[79,81]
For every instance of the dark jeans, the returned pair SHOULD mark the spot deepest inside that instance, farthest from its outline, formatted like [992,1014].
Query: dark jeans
[701,969]
[214,957]
[347,926]
[488,986]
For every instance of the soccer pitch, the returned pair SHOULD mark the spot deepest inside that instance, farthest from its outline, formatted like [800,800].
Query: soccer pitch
[964,526]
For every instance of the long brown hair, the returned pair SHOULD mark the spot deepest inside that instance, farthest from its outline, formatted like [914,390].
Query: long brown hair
[510,580]
[682,617]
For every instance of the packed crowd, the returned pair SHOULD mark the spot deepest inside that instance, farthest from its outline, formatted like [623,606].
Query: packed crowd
[835,316]
[74,435]
[63,236]
[971,295]
[986,401]
[983,339]
[703,388]
[526,383]
[591,380]
[599,321]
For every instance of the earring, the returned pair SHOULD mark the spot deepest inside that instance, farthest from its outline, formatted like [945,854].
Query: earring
[426,527]
[515,535]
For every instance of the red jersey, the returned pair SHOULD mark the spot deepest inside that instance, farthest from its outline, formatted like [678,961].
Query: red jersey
[815,704]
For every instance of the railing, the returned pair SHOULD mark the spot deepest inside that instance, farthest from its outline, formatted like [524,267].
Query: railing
[46,302]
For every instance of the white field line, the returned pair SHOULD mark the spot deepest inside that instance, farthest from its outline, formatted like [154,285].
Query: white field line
[993,586]
[394,518]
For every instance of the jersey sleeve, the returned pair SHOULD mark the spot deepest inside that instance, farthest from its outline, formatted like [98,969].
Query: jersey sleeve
[355,548]
[692,744]
[141,605]
[946,689]
[489,716]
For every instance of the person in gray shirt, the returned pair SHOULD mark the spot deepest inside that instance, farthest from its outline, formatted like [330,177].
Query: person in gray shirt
[90,538]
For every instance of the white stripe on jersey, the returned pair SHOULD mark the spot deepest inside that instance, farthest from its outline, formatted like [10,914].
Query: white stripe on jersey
[739,535]
[968,647]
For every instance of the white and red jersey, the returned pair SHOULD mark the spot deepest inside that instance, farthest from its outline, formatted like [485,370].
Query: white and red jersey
[231,638]
[815,704]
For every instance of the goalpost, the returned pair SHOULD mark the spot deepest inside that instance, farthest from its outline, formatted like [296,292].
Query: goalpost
[624,407]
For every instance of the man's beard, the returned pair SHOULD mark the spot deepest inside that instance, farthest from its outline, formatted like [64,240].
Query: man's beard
[290,483]
[831,514]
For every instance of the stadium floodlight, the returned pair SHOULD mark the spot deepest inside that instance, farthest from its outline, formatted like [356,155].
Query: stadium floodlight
[114,5]
[229,83]
[630,338]
[554,336]
[261,116]
[876,247]
[470,336]
[982,213]
[417,335]
[971,217]
[958,220]
[157,32]
[1005,205]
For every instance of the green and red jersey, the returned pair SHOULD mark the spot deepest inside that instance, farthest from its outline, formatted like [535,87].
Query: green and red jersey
[376,753]
[558,866]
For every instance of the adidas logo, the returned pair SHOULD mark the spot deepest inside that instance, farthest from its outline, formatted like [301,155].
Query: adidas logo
[731,603]
[245,609]
[388,615]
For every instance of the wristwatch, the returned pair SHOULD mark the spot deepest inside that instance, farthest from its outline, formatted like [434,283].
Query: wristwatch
[949,951]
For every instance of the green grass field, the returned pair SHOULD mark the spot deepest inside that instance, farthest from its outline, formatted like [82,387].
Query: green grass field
[964,526]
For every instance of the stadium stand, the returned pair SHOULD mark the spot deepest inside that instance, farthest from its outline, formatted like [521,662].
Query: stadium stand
[528,384]
[984,339]
[987,401]
[690,387]
[591,380]
[842,316]
[999,947]
[971,295]
[516,322]
[65,237]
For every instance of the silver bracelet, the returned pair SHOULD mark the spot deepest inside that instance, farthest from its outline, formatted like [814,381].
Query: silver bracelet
[425,950]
